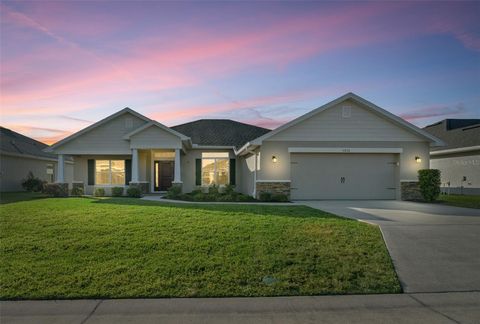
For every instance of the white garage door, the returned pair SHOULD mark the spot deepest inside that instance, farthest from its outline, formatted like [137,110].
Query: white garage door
[342,176]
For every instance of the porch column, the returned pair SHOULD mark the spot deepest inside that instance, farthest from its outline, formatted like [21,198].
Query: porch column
[61,168]
[177,174]
[134,166]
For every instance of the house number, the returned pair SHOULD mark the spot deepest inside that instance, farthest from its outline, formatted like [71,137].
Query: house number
[342,180]
[346,150]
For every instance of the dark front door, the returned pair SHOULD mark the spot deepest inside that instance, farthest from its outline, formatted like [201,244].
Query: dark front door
[163,174]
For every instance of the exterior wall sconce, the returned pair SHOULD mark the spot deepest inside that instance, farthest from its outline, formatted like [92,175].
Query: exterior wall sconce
[418,159]
[274,159]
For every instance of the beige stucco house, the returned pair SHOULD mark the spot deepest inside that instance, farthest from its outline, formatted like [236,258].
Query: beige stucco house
[459,160]
[20,155]
[346,149]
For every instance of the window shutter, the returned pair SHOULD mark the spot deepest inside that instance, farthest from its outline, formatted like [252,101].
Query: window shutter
[198,172]
[233,172]
[128,171]
[91,172]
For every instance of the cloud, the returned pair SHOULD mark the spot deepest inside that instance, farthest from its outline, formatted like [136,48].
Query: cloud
[434,111]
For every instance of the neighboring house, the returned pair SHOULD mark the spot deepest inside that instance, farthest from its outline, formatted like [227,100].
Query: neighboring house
[346,149]
[20,155]
[459,160]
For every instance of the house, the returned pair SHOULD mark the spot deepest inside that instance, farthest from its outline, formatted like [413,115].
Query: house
[346,149]
[20,155]
[459,160]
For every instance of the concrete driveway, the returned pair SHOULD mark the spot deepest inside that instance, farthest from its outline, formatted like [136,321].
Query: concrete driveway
[434,248]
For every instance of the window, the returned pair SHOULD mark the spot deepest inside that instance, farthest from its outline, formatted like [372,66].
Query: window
[215,168]
[50,172]
[110,172]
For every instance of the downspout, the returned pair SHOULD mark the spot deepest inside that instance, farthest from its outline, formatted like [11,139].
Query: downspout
[255,176]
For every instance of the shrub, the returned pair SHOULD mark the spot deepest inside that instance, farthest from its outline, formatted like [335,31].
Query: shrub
[200,197]
[227,197]
[99,192]
[56,190]
[213,190]
[244,198]
[229,189]
[279,198]
[429,182]
[265,196]
[134,192]
[117,191]
[174,192]
[77,191]
[32,183]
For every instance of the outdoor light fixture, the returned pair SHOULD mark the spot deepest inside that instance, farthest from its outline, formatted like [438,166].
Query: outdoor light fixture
[274,159]
[418,159]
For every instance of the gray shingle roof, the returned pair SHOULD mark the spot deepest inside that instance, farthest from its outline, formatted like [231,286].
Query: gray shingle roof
[456,133]
[13,142]
[220,132]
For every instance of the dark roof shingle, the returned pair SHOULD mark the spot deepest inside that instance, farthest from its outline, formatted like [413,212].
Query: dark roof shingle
[456,133]
[13,142]
[220,132]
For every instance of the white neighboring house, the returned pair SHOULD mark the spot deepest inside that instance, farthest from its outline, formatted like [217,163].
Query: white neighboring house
[348,148]
[459,160]
[20,155]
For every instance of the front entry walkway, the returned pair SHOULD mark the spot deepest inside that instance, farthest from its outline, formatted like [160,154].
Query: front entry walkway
[434,248]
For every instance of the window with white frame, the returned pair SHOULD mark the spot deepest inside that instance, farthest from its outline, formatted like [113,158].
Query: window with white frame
[215,168]
[110,172]
[50,172]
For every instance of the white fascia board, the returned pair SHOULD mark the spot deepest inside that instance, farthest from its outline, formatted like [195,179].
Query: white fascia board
[351,96]
[273,181]
[212,147]
[456,150]
[33,157]
[95,125]
[345,150]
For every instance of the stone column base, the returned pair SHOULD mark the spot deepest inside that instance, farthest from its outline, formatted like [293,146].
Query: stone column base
[273,187]
[410,191]
[142,185]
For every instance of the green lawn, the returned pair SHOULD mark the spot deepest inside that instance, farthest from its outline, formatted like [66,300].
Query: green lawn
[460,200]
[9,197]
[116,248]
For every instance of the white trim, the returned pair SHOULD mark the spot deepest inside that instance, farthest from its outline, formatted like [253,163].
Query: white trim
[213,147]
[95,125]
[273,181]
[405,180]
[351,96]
[344,150]
[157,124]
[34,157]
[456,150]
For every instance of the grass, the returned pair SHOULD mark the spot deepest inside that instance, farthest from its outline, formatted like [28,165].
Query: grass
[460,200]
[121,247]
[10,197]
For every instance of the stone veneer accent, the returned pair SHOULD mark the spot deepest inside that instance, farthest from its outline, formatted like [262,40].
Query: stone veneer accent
[273,187]
[410,190]
[142,185]
[78,184]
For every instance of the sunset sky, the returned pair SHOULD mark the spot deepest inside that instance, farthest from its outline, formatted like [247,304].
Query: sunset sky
[66,65]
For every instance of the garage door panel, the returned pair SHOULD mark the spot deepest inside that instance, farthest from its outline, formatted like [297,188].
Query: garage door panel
[343,176]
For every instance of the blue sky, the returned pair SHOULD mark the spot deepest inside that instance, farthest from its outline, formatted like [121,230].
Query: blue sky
[65,65]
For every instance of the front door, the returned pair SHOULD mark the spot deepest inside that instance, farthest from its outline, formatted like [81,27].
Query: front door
[163,175]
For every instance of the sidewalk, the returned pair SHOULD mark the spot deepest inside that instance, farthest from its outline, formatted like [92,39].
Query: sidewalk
[458,307]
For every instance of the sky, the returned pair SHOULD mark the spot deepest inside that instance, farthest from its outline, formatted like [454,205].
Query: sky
[66,65]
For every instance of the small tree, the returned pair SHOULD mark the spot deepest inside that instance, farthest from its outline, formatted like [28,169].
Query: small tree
[429,182]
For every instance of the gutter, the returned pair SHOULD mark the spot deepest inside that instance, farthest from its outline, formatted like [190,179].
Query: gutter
[456,150]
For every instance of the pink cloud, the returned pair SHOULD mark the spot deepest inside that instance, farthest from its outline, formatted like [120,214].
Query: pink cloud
[434,111]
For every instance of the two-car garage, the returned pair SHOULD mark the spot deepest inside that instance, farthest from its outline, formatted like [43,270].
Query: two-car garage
[343,175]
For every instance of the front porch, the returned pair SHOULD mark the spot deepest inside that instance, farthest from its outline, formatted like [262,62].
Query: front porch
[153,170]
